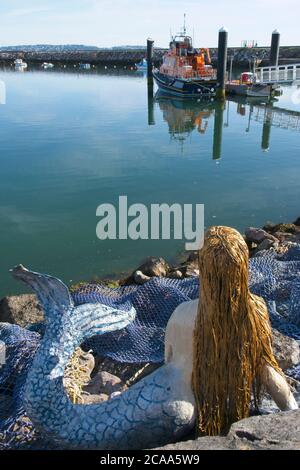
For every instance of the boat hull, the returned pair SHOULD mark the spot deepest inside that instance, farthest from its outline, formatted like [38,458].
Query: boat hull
[256,90]
[185,88]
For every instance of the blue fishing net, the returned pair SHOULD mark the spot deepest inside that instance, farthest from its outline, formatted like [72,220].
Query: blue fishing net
[273,276]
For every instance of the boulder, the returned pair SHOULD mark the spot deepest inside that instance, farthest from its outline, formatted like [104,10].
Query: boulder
[285,228]
[128,372]
[297,222]
[154,267]
[190,268]
[286,350]
[257,235]
[104,383]
[278,431]
[87,362]
[140,278]
[269,430]
[266,244]
[269,227]
[21,310]
[176,274]
[88,399]
[285,236]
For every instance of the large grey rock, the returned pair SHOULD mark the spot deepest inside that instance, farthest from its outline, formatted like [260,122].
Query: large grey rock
[104,383]
[284,228]
[203,443]
[286,350]
[190,267]
[154,267]
[21,310]
[88,399]
[285,237]
[257,235]
[266,244]
[269,432]
[297,222]
[140,278]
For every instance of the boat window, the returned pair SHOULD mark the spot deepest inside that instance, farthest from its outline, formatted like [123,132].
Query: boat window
[178,84]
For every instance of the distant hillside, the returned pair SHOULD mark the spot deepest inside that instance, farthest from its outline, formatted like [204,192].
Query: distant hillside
[49,48]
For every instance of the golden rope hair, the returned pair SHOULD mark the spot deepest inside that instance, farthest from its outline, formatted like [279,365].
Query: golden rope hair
[232,336]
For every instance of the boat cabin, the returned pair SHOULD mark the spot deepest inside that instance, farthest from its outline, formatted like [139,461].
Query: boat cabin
[183,61]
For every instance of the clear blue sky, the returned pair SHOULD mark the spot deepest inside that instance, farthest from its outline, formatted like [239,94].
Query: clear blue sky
[116,22]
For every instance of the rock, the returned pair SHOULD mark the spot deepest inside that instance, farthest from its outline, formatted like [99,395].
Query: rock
[297,222]
[203,443]
[154,267]
[268,432]
[266,244]
[127,372]
[177,274]
[88,399]
[193,257]
[104,382]
[87,361]
[286,350]
[269,227]
[257,235]
[115,395]
[192,271]
[140,278]
[21,310]
[285,228]
[284,236]
[190,268]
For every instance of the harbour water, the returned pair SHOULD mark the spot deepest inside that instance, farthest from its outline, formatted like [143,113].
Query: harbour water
[72,141]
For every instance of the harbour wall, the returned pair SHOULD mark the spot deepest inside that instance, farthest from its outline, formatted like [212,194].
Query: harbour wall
[123,57]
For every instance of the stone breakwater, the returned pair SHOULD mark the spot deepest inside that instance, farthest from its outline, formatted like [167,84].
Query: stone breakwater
[124,57]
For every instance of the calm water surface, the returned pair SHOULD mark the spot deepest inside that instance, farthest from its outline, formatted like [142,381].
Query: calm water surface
[70,142]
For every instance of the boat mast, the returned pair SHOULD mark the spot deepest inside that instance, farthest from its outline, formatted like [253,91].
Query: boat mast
[184,25]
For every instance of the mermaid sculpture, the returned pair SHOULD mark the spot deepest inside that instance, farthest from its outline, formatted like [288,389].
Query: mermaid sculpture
[215,350]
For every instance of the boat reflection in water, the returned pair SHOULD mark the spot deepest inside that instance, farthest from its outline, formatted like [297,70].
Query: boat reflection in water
[185,117]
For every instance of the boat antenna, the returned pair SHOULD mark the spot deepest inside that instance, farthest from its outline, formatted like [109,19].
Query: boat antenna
[184,25]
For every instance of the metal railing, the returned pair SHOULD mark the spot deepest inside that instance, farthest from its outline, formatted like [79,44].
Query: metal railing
[280,74]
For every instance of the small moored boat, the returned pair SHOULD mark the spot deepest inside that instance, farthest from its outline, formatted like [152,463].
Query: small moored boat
[85,66]
[47,65]
[20,65]
[248,86]
[141,66]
